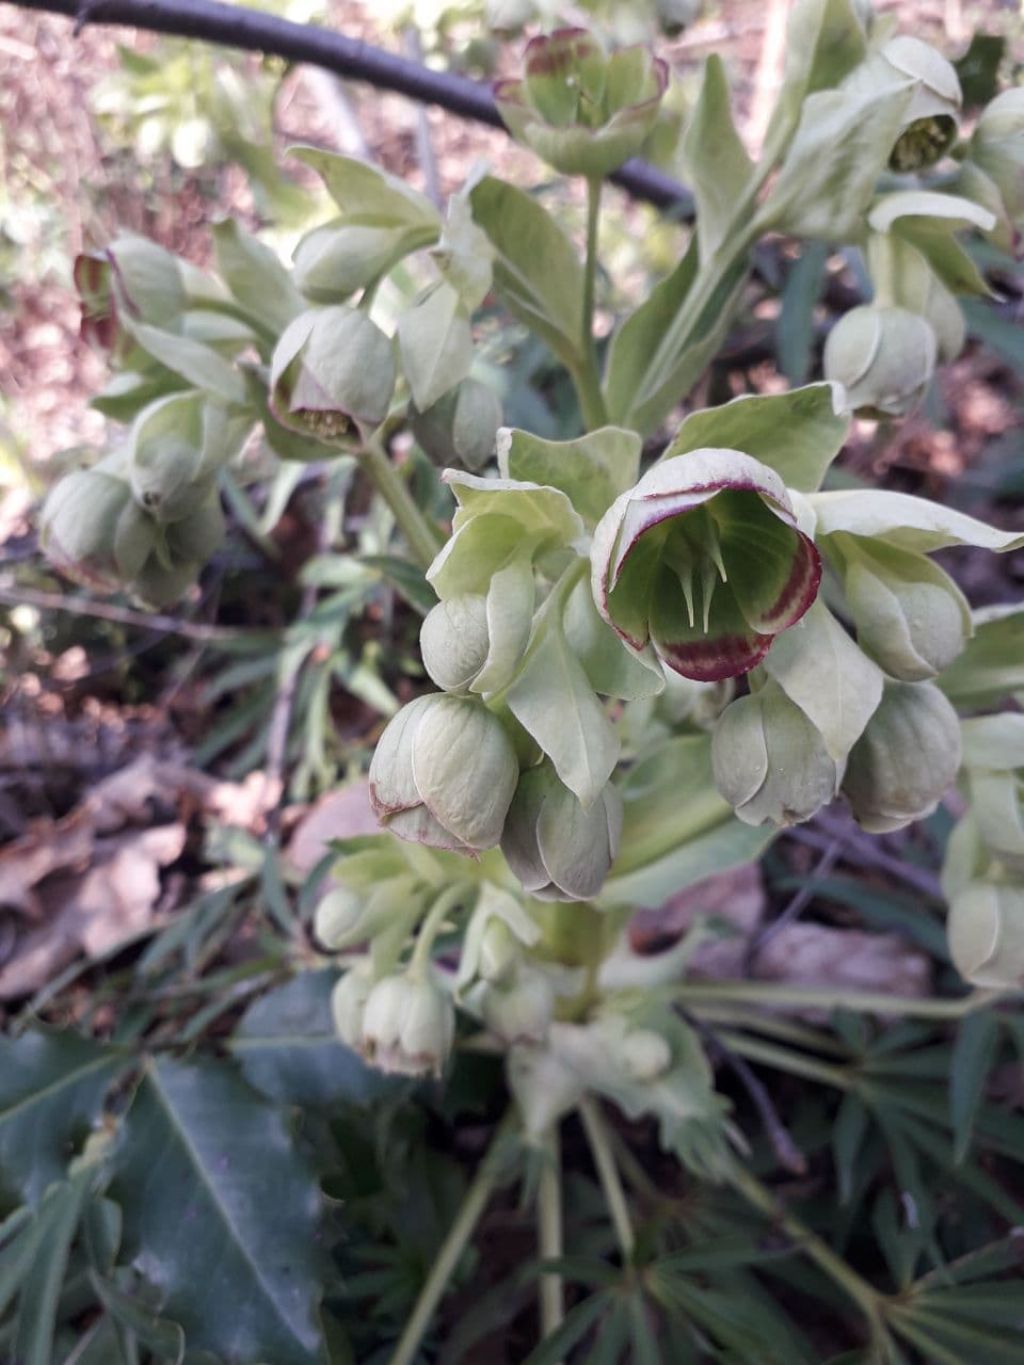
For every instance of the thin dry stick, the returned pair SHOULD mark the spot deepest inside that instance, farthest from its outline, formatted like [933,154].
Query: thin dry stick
[793,910]
[122,616]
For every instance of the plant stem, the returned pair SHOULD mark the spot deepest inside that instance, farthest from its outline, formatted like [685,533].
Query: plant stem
[771,996]
[422,538]
[454,1245]
[863,1295]
[550,1243]
[608,1174]
[431,927]
[587,379]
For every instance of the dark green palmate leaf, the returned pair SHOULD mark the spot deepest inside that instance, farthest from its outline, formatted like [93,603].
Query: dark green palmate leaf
[288,1049]
[220,1214]
[51,1089]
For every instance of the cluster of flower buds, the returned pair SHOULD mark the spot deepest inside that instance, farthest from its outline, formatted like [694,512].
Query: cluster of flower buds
[147,517]
[984,872]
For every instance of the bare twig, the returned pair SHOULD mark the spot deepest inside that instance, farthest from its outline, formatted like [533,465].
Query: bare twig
[866,850]
[253,31]
[794,909]
[122,616]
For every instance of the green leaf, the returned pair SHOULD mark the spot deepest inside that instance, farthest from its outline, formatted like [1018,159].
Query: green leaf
[367,195]
[848,1133]
[164,1338]
[536,269]
[436,345]
[1001,334]
[591,470]
[717,165]
[992,665]
[611,668]
[824,42]
[56,1223]
[287,1048]
[554,702]
[52,1088]
[795,328]
[978,68]
[652,364]
[906,521]
[192,360]
[827,180]
[973,1055]
[256,277]
[406,578]
[819,667]
[220,1212]
[728,845]
[928,220]
[798,434]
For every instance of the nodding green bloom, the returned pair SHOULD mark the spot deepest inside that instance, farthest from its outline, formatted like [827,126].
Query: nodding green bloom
[770,762]
[580,109]
[986,934]
[909,615]
[408,1026]
[93,530]
[332,375]
[348,1002]
[931,120]
[997,147]
[462,427]
[444,773]
[906,759]
[558,849]
[883,357]
[703,558]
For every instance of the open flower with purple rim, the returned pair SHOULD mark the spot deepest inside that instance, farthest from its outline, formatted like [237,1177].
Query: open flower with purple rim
[580,109]
[703,559]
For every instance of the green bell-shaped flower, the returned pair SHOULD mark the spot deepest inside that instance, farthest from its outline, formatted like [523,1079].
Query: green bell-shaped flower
[348,1002]
[704,559]
[883,357]
[985,929]
[932,117]
[408,1026]
[770,762]
[906,759]
[332,375]
[559,850]
[910,616]
[580,109]
[444,773]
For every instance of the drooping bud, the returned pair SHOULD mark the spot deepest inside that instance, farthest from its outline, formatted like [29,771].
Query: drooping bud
[769,761]
[176,447]
[905,760]
[332,375]
[704,559]
[333,261]
[460,428]
[346,917]
[998,148]
[558,849]
[910,616]
[883,357]
[985,929]
[348,1002]
[582,111]
[454,641]
[444,773]
[645,1054]
[80,521]
[519,1010]
[930,122]
[408,1026]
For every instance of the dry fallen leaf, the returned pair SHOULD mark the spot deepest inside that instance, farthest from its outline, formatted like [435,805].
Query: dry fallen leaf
[815,955]
[341,814]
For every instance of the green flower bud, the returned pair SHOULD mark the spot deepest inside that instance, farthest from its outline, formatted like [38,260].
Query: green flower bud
[993,754]
[500,952]
[408,1026]
[986,935]
[582,111]
[79,525]
[906,759]
[348,1003]
[461,427]
[559,850]
[646,1055]
[521,1009]
[350,915]
[883,357]
[454,641]
[703,558]
[444,773]
[332,375]
[769,761]
[998,148]
[931,120]
[176,447]
[333,261]
[910,616]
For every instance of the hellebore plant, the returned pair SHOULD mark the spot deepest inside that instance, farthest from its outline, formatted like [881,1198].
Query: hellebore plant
[654,643]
